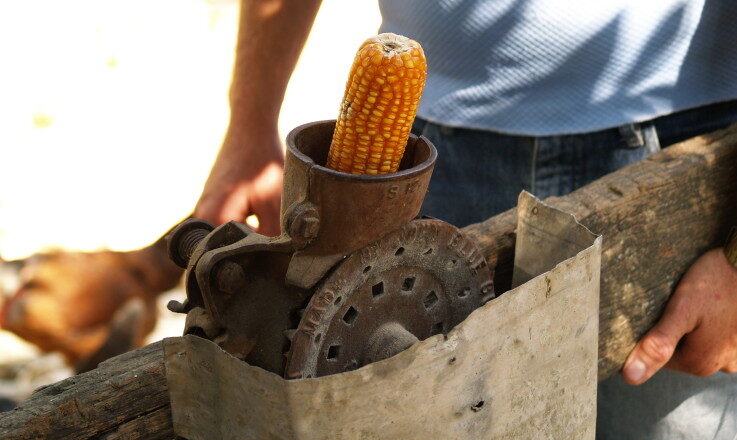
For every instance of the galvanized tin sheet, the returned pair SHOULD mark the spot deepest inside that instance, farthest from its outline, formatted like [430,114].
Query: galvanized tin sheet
[522,366]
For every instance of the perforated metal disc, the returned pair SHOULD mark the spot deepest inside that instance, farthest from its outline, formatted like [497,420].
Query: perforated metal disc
[426,277]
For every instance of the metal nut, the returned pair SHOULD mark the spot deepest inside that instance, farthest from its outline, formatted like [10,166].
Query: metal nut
[304,221]
[309,227]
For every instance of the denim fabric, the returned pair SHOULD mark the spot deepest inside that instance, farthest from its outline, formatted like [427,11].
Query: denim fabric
[480,174]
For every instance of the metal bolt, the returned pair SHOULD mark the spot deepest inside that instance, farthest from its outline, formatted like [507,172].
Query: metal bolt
[183,240]
[189,242]
[304,223]
[310,226]
[230,277]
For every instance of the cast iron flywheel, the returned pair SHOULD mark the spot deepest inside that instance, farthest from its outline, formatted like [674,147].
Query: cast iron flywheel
[415,282]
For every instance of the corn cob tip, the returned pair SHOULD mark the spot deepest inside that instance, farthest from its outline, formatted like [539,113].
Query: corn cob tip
[393,44]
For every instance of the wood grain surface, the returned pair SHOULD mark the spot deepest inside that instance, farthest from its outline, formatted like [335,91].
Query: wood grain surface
[656,216]
[125,397]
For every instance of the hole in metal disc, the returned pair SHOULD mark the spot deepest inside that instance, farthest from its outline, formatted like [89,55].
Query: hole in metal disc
[430,300]
[427,252]
[350,316]
[399,251]
[333,352]
[338,300]
[437,328]
[465,292]
[366,269]
[377,289]
[408,284]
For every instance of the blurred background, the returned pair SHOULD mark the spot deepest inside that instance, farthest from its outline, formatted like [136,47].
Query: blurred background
[111,114]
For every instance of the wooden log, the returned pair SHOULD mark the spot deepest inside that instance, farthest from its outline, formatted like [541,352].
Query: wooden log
[657,217]
[126,397]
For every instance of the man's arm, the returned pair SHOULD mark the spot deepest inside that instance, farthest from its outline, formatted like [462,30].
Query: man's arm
[247,175]
[697,333]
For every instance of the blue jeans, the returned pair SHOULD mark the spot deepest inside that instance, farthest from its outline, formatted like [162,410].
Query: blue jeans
[480,174]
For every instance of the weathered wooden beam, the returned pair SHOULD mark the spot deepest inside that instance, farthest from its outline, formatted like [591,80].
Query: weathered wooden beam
[125,397]
[656,216]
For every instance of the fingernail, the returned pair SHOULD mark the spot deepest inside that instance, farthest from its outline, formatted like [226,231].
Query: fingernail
[635,370]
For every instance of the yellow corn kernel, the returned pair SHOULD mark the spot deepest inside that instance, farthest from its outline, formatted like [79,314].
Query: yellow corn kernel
[380,61]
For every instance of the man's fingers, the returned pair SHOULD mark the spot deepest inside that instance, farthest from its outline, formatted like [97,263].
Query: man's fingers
[730,368]
[649,355]
[656,348]
[268,219]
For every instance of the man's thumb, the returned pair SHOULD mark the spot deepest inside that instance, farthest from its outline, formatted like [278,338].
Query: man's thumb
[655,348]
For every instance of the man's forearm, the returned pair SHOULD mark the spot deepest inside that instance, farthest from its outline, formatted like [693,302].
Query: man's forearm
[270,38]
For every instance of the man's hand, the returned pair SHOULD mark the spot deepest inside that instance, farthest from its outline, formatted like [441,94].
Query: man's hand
[247,176]
[246,179]
[697,333]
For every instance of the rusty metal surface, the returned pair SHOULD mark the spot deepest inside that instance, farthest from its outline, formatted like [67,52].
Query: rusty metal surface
[245,291]
[236,294]
[184,238]
[354,210]
[522,366]
[423,278]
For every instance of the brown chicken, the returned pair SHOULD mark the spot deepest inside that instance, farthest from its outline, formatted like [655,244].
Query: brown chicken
[88,306]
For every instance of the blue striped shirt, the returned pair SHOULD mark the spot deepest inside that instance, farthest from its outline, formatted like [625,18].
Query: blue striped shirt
[544,67]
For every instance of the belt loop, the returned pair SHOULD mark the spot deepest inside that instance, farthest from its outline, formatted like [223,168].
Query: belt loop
[632,134]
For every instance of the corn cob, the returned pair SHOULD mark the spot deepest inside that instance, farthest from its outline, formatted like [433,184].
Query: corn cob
[379,106]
